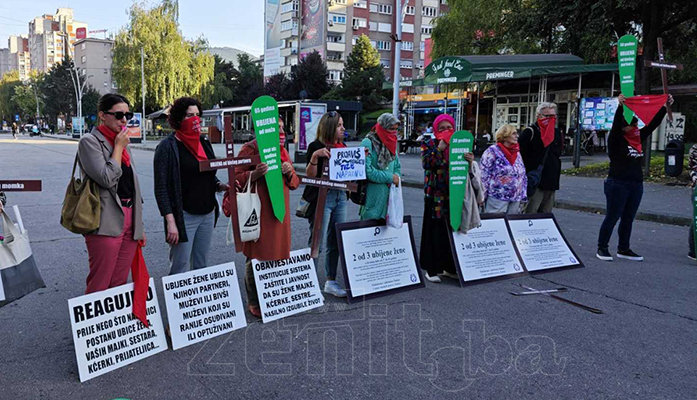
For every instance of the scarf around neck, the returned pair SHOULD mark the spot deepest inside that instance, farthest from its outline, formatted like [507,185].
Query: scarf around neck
[110,136]
[385,156]
[511,152]
[388,138]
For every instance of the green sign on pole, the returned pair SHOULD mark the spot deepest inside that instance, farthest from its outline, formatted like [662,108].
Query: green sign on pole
[265,119]
[626,55]
[461,143]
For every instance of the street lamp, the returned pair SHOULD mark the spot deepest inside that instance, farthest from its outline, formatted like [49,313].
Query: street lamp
[79,89]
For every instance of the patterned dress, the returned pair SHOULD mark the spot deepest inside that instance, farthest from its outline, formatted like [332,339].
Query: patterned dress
[435,177]
[500,179]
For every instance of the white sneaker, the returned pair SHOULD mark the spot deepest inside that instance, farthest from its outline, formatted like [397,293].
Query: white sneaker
[450,275]
[334,289]
[434,279]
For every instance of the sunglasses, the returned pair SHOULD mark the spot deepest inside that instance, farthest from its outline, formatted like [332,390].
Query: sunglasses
[120,114]
[332,113]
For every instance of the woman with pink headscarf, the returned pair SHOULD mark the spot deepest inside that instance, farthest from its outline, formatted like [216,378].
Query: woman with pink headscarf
[436,257]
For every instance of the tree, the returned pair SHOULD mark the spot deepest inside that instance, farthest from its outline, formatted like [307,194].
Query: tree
[90,100]
[363,75]
[310,75]
[58,91]
[248,81]
[279,87]
[174,66]
[220,90]
[8,108]
[28,98]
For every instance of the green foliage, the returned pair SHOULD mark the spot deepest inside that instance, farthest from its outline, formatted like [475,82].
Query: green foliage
[58,91]
[27,96]
[657,171]
[363,75]
[9,108]
[220,90]
[310,75]
[174,66]
[90,99]
[248,81]
[279,87]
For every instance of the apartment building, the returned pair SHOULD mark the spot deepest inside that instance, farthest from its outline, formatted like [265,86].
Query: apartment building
[348,19]
[4,61]
[19,58]
[52,37]
[93,59]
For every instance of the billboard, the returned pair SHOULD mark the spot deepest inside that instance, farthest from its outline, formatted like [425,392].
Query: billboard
[272,38]
[81,33]
[133,126]
[310,114]
[313,32]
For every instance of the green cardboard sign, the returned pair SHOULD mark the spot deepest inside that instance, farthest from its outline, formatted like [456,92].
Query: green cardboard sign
[626,56]
[265,119]
[461,143]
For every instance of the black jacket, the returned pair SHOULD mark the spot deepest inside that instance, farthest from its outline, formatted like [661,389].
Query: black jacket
[625,161]
[168,185]
[533,151]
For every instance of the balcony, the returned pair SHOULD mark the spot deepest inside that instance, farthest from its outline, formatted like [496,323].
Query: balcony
[335,46]
[335,65]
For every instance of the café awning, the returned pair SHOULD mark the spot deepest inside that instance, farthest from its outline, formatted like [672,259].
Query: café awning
[464,69]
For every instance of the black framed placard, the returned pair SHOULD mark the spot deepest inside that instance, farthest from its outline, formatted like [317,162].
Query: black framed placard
[486,253]
[541,244]
[378,260]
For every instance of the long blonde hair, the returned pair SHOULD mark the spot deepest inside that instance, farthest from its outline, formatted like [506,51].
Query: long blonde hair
[326,129]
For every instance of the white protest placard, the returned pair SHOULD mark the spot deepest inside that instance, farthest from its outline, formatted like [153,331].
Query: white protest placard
[486,252]
[378,259]
[287,287]
[203,303]
[107,335]
[347,164]
[540,243]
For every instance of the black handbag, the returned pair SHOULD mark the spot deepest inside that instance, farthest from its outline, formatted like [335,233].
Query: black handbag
[358,197]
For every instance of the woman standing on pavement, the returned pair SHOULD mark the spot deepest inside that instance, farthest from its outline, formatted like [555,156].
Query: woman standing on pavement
[435,242]
[624,185]
[330,134]
[184,194]
[382,166]
[503,173]
[274,240]
[104,156]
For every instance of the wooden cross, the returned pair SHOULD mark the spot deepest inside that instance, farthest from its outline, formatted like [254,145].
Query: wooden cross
[663,66]
[229,163]
[20,186]
[324,184]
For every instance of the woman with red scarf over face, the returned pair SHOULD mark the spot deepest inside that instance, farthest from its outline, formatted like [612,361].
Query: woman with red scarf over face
[274,242]
[382,166]
[436,257]
[104,156]
[184,194]
[503,173]
[624,185]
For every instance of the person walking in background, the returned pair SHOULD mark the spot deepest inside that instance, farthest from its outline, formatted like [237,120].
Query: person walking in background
[692,165]
[382,166]
[624,185]
[330,133]
[435,242]
[104,157]
[503,174]
[186,196]
[539,142]
[274,242]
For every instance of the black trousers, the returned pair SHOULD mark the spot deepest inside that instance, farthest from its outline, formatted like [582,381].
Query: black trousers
[435,255]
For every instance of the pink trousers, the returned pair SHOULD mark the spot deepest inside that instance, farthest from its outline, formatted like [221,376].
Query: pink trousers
[111,257]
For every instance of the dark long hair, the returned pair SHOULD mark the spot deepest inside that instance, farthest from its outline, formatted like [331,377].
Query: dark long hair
[109,100]
[178,110]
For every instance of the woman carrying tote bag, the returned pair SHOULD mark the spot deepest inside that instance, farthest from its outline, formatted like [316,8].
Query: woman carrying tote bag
[104,157]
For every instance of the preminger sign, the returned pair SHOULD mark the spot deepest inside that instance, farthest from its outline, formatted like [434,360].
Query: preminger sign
[499,75]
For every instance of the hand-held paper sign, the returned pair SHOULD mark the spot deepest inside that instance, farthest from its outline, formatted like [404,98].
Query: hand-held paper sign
[265,118]
[626,55]
[461,143]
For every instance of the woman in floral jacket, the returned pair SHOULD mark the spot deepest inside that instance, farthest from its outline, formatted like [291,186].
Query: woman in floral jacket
[503,174]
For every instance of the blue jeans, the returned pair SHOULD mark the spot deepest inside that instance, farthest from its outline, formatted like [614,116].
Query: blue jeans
[623,199]
[334,213]
[194,252]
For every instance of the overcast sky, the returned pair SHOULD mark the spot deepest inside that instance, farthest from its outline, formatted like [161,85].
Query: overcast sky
[231,23]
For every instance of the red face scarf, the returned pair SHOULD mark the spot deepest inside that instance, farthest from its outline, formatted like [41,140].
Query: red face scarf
[445,135]
[646,107]
[634,138]
[110,136]
[511,152]
[388,138]
[189,133]
[285,157]
[547,129]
